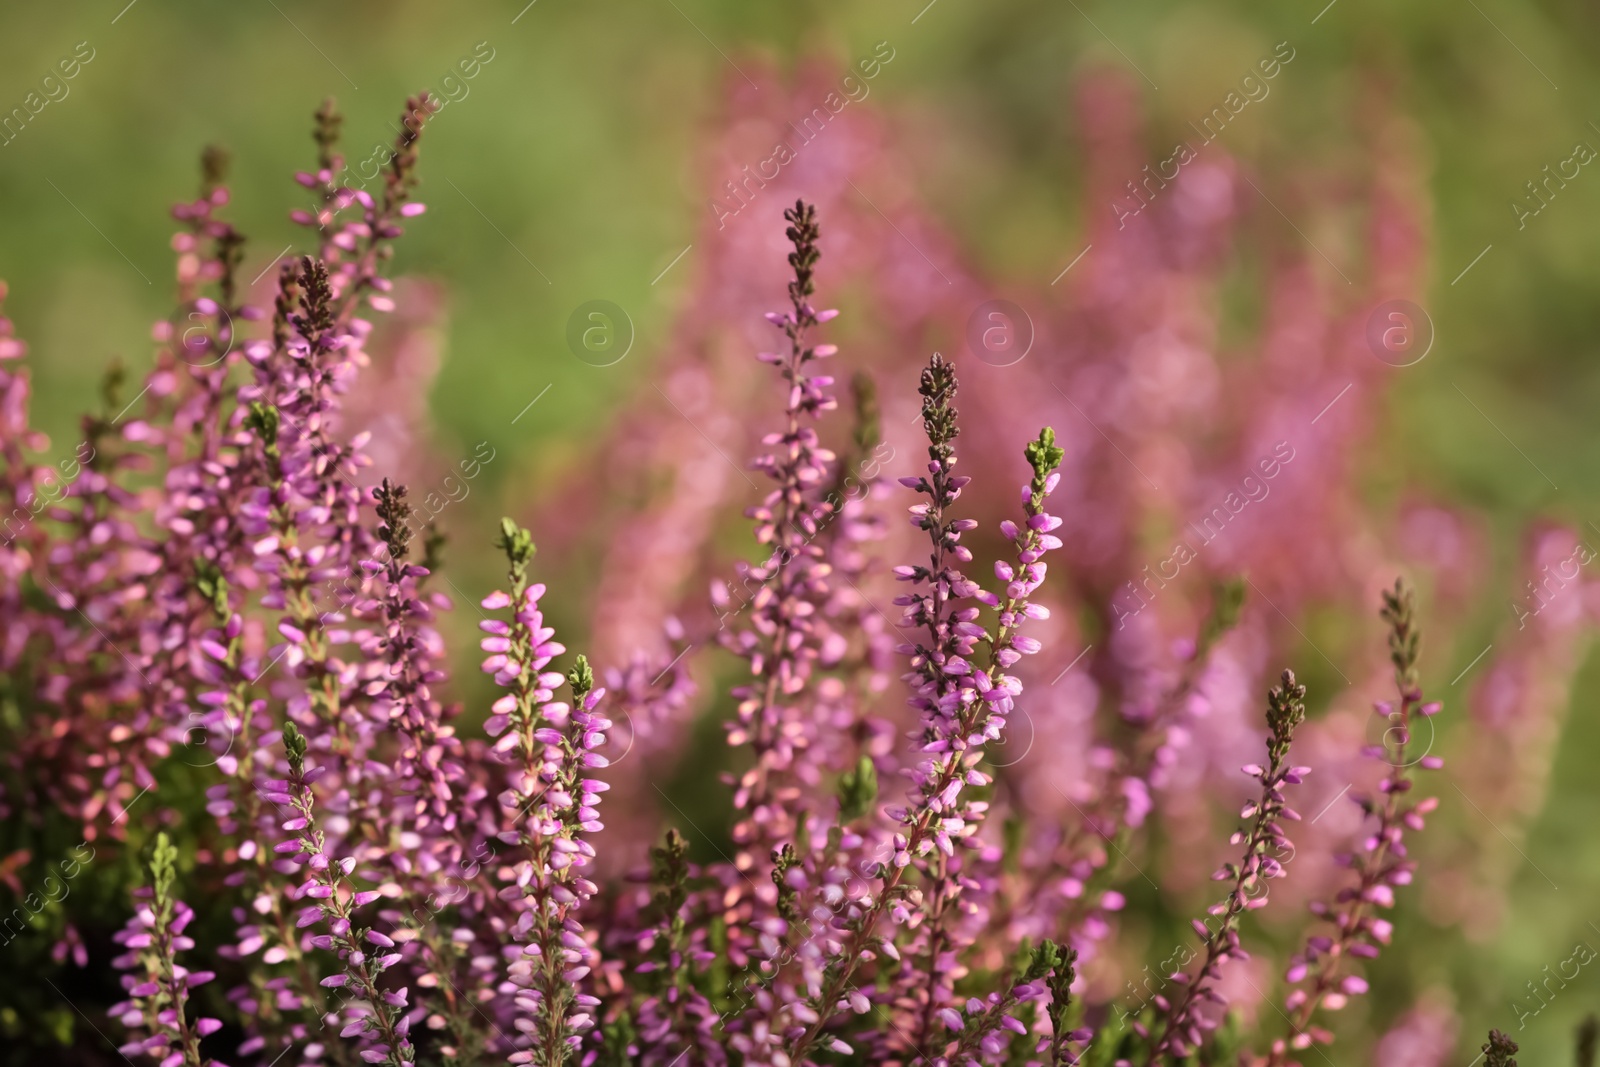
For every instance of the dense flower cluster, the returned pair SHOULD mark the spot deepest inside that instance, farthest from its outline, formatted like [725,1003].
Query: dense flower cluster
[218,584]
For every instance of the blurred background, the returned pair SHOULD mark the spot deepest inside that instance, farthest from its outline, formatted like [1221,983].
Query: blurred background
[572,165]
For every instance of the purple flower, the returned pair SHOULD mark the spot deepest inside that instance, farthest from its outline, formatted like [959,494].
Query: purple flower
[1379,866]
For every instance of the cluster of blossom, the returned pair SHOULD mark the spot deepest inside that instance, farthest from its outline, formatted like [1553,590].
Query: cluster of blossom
[158,985]
[406,887]
[552,804]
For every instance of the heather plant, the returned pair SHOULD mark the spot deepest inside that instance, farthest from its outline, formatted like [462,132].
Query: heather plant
[392,878]
[1499,1050]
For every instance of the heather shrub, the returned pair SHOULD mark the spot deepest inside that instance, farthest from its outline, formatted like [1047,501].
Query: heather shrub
[226,682]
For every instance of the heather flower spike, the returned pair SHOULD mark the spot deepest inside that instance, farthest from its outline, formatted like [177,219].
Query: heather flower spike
[787,632]
[381,1024]
[1380,864]
[988,1027]
[549,811]
[1060,962]
[517,543]
[581,678]
[1263,842]
[554,887]
[393,511]
[1044,457]
[1499,1050]
[962,707]
[158,986]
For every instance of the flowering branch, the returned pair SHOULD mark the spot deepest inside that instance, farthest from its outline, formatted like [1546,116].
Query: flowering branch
[1184,1024]
[555,954]
[958,724]
[1059,1043]
[1381,864]
[937,667]
[405,691]
[1499,1050]
[1048,977]
[382,1023]
[786,623]
[555,748]
[153,937]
